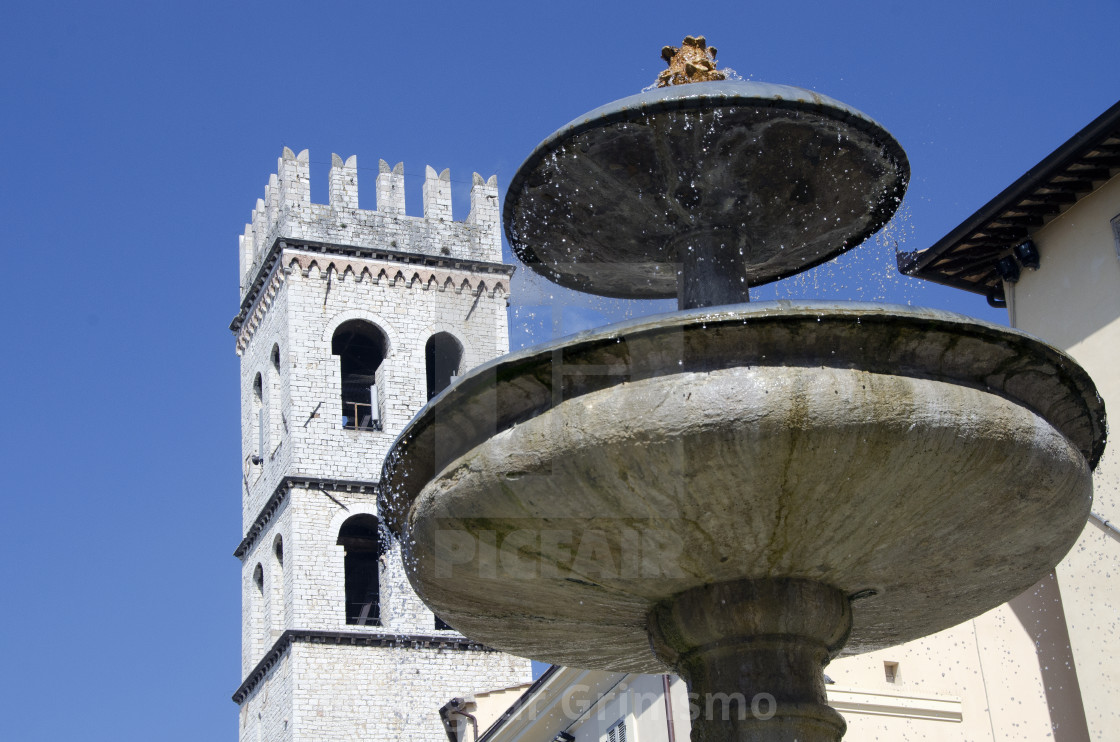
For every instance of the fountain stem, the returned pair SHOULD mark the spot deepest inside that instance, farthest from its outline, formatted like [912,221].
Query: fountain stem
[753,654]
[711,272]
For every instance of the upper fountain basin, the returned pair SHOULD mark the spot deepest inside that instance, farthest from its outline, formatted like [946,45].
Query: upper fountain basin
[779,177]
[548,500]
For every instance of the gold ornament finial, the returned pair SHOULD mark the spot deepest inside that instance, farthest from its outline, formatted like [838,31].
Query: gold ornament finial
[693,61]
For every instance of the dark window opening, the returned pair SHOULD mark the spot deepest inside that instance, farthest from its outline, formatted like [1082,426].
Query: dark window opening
[361,349]
[443,356]
[361,538]
[442,626]
[278,549]
[258,578]
[259,412]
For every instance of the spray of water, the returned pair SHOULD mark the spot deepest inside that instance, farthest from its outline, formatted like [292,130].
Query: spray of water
[541,310]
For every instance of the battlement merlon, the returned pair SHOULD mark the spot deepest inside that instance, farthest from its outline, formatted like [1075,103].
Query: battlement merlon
[390,188]
[286,211]
[343,187]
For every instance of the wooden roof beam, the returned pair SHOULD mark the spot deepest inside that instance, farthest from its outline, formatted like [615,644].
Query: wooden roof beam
[1076,187]
[966,263]
[1050,198]
[1088,172]
[1103,159]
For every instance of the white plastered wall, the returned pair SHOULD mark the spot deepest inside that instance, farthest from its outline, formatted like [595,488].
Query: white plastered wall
[1073,302]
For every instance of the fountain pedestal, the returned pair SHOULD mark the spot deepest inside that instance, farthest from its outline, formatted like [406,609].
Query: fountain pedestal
[753,654]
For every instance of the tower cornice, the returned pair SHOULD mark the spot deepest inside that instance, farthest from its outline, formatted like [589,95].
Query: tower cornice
[349,638]
[280,493]
[398,257]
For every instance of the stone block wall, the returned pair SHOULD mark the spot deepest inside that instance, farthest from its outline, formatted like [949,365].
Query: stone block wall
[407,305]
[308,301]
[266,715]
[267,612]
[348,693]
[259,480]
[318,578]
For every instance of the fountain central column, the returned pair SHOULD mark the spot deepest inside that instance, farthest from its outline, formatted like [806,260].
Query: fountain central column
[753,654]
[711,275]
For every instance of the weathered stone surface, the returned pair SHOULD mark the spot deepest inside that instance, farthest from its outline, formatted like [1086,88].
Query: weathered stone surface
[553,497]
[759,647]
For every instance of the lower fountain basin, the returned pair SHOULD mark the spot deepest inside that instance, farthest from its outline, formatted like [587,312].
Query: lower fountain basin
[927,465]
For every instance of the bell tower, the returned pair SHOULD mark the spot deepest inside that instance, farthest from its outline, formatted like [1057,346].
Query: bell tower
[350,320]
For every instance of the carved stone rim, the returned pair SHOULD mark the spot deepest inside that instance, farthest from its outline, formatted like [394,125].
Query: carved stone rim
[887,339]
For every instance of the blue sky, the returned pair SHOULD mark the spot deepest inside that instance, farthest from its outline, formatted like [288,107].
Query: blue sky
[137,138]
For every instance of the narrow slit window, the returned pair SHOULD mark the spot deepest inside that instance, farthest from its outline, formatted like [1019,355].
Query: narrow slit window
[257,457]
[276,586]
[256,612]
[1116,233]
[276,424]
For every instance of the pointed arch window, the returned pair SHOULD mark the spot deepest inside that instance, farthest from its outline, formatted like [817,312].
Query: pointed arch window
[360,536]
[361,348]
[444,358]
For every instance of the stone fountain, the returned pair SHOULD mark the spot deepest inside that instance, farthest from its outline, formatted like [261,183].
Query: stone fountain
[735,492]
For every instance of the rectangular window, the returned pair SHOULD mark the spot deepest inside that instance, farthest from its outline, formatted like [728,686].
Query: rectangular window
[363,595]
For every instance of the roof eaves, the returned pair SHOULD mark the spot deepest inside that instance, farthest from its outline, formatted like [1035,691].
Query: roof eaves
[1007,207]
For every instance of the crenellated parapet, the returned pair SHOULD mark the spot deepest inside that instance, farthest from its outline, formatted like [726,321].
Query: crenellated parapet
[286,212]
